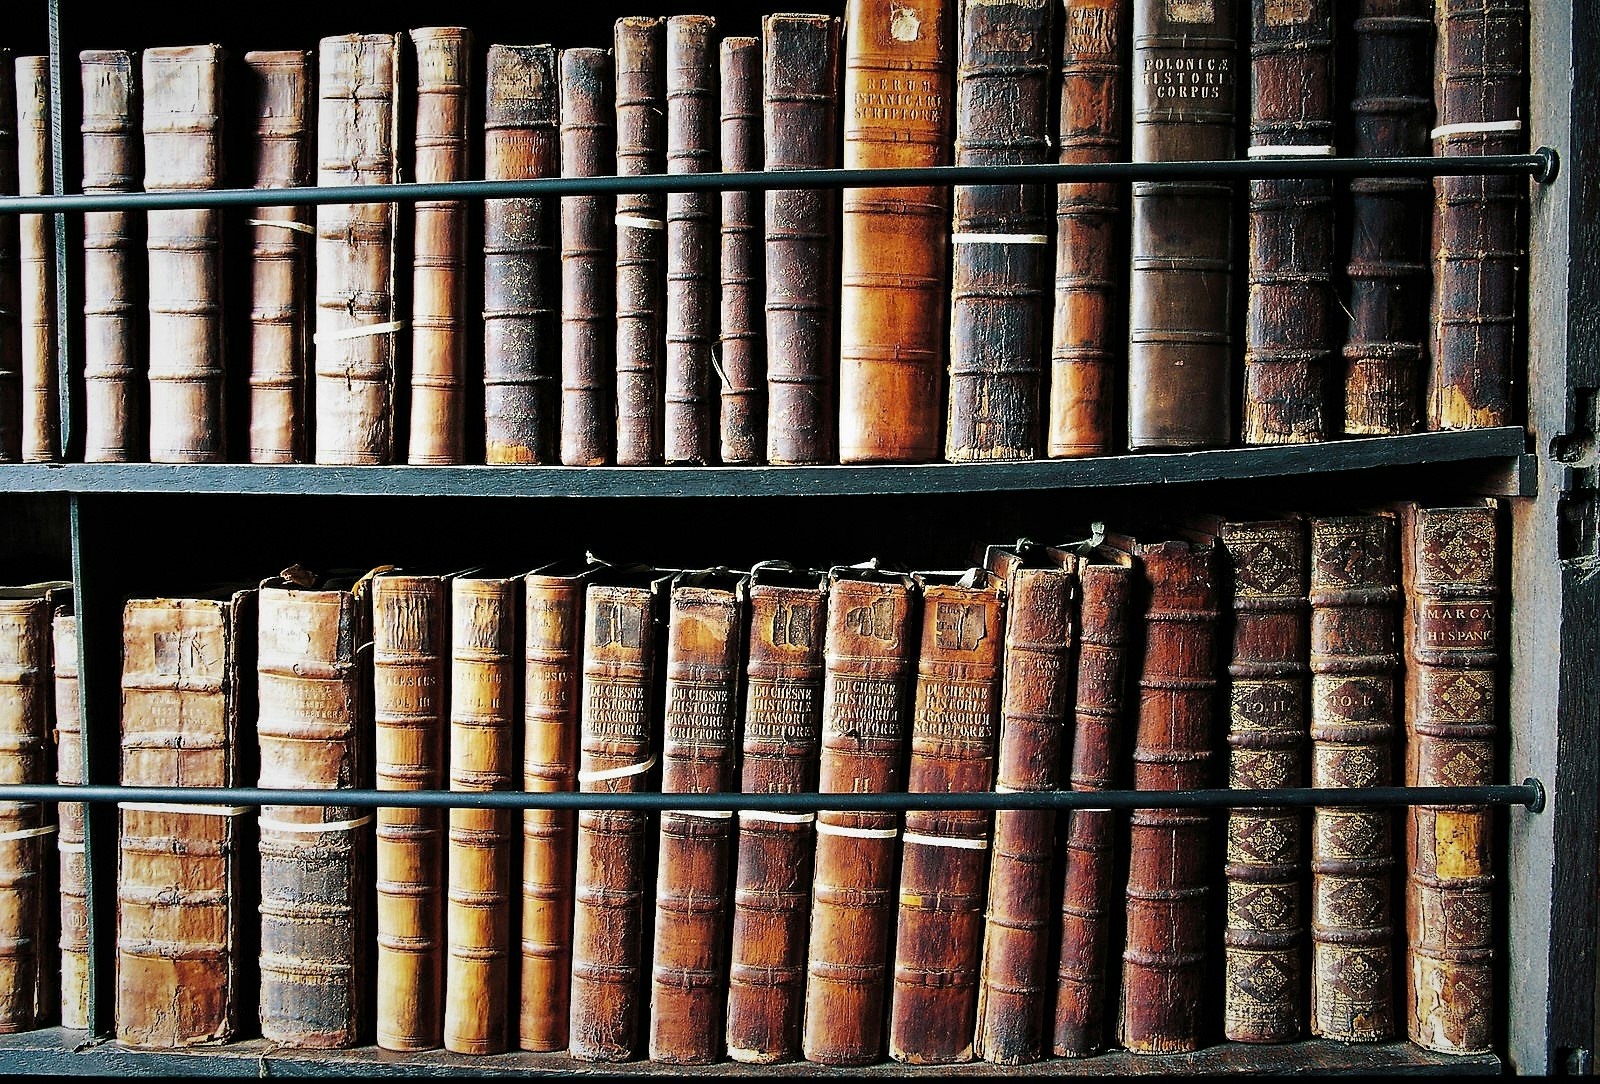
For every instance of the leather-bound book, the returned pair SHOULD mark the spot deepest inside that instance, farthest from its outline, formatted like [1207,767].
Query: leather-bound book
[74,882]
[356,324]
[772,887]
[1451,579]
[1084,377]
[1385,256]
[179,878]
[483,708]
[740,363]
[40,425]
[439,249]
[1479,83]
[281,85]
[587,275]
[870,658]
[1180,346]
[112,396]
[698,753]
[409,646]
[799,86]
[1035,695]
[895,241]
[1288,335]
[1000,242]
[10,275]
[690,412]
[312,727]
[639,45]
[1354,586]
[521,259]
[944,868]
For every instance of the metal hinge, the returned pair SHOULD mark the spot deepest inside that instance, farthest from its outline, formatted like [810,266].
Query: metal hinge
[1576,508]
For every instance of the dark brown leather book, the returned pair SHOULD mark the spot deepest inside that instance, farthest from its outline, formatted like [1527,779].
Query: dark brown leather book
[1354,585]
[521,259]
[74,882]
[113,397]
[179,880]
[40,423]
[1385,251]
[1180,343]
[1450,573]
[894,245]
[698,754]
[1479,83]
[281,86]
[800,77]
[689,418]
[739,360]
[1084,376]
[1000,241]
[357,322]
[782,735]
[1288,342]
[587,275]
[870,658]
[10,274]
[439,249]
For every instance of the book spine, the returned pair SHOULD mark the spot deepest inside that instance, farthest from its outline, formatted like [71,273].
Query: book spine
[894,243]
[521,259]
[739,359]
[356,322]
[408,707]
[1289,317]
[1180,347]
[800,77]
[74,883]
[111,398]
[999,238]
[10,274]
[40,427]
[772,898]
[1354,585]
[24,725]
[587,275]
[280,251]
[483,652]
[870,659]
[699,747]
[439,250]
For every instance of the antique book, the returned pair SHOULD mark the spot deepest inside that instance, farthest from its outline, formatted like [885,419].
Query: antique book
[1084,344]
[112,396]
[1354,654]
[1000,242]
[1035,694]
[869,676]
[356,322]
[439,248]
[73,883]
[37,300]
[179,876]
[738,358]
[1479,83]
[281,84]
[587,275]
[1451,578]
[639,46]
[894,241]
[483,710]
[689,415]
[409,688]
[10,274]
[521,259]
[1288,332]
[772,885]
[1180,343]
[944,866]
[800,121]
[1385,254]
[311,669]
[699,749]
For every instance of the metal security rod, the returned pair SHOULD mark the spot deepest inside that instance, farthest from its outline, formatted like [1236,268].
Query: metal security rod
[1541,166]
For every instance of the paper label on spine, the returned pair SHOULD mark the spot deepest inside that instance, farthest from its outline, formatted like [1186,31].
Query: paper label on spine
[1191,11]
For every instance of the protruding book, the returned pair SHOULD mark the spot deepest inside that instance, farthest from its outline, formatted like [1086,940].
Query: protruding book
[740,358]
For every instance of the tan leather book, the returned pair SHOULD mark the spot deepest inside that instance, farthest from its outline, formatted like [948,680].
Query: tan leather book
[40,422]
[740,361]
[892,299]
[10,274]
[639,45]
[179,901]
[74,876]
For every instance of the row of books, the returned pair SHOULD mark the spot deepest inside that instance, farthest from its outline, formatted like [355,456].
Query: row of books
[900,324]
[1274,645]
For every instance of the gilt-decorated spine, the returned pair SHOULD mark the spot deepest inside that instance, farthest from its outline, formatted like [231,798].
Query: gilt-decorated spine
[587,274]
[36,248]
[10,274]
[25,723]
[74,872]
[739,359]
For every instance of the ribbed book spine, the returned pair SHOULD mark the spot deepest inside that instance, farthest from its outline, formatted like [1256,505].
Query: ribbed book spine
[40,425]
[739,359]
[10,274]
[587,274]
[74,882]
